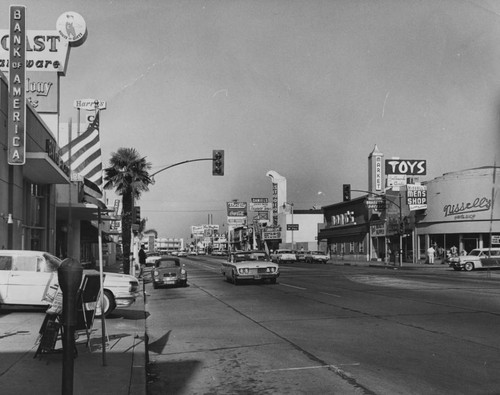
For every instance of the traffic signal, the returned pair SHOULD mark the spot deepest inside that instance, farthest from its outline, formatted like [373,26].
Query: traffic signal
[346,192]
[136,215]
[218,162]
[402,228]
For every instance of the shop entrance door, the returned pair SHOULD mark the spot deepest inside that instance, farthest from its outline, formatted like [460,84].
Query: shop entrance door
[470,243]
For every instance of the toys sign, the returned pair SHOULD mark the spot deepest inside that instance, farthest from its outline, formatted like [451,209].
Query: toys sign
[409,167]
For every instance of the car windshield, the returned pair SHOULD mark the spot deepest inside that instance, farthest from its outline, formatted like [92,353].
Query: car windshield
[317,253]
[475,252]
[286,252]
[167,264]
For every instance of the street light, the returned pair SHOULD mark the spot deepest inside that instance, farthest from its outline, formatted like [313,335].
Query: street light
[291,211]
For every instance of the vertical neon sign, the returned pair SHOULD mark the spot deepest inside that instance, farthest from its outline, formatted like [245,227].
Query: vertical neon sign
[17,91]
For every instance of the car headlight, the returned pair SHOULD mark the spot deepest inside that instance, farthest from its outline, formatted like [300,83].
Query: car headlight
[183,271]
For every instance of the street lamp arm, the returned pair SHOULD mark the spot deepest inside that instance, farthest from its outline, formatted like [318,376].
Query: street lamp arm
[180,163]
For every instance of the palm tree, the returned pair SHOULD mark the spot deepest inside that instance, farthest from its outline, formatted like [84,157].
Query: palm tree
[128,175]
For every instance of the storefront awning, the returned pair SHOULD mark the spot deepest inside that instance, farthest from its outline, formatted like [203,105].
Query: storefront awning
[344,233]
[41,169]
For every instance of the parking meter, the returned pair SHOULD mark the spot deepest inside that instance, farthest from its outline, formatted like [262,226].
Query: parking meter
[70,275]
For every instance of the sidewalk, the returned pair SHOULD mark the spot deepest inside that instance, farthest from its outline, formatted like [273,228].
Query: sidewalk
[121,370]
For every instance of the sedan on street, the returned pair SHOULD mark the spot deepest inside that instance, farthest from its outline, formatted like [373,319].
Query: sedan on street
[316,256]
[256,267]
[168,271]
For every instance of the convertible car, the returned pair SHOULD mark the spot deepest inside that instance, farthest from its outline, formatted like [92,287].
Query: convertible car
[255,267]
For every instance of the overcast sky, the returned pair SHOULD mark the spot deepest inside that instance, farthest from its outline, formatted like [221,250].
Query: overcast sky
[304,88]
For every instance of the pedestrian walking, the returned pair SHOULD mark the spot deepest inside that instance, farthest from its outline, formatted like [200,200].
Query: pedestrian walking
[142,260]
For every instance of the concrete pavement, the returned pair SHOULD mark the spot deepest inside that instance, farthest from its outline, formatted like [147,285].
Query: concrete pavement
[120,370]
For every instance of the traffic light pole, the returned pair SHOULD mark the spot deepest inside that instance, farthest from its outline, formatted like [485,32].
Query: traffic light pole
[177,164]
[400,220]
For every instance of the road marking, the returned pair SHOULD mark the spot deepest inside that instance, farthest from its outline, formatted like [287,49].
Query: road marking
[292,286]
[309,367]
[326,293]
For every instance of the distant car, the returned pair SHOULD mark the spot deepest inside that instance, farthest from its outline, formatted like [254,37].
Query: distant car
[283,255]
[473,260]
[256,267]
[254,255]
[300,255]
[27,276]
[168,271]
[201,252]
[182,253]
[152,258]
[316,256]
[174,253]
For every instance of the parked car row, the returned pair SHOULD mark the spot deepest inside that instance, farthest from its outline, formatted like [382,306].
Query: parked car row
[290,256]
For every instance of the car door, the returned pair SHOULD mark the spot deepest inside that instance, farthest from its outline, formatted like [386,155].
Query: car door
[29,280]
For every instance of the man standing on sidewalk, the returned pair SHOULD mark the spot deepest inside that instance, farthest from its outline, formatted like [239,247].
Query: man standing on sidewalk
[430,255]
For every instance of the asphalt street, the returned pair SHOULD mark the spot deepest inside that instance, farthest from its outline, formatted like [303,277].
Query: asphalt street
[326,329]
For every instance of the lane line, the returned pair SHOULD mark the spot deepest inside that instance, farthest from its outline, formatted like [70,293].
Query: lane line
[292,286]
[309,367]
[326,293]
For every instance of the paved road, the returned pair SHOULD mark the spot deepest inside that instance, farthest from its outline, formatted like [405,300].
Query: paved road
[327,329]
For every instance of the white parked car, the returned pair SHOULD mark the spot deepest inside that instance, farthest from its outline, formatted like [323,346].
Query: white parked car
[26,277]
[281,256]
[316,256]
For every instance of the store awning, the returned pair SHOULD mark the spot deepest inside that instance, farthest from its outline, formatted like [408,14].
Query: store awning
[344,233]
[41,169]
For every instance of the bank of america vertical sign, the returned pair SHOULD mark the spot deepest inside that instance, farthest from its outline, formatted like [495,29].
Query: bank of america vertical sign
[17,91]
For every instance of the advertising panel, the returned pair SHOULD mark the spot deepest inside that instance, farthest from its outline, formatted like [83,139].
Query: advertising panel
[41,91]
[236,209]
[416,197]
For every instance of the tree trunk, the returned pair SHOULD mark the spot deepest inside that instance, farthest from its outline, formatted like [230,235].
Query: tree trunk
[126,230]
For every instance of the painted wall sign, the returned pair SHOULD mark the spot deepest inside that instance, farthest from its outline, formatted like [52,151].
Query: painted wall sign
[17,88]
[466,210]
[42,91]
[406,166]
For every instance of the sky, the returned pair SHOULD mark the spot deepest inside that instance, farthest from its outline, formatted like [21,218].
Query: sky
[305,88]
